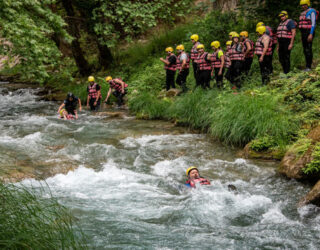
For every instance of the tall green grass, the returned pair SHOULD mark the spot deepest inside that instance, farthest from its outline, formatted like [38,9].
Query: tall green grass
[30,222]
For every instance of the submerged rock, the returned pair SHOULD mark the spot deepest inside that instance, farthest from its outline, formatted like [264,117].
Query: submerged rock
[313,197]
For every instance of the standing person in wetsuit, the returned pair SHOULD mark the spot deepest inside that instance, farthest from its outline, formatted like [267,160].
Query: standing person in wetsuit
[204,67]
[227,63]
[307,26]
[218,61]
[94,94]
[183,65]
[237,59]
[286,33]
[248,51]
[194,55]
[170,65]
[119,87]
[194,178]
[263,50]
[68,108]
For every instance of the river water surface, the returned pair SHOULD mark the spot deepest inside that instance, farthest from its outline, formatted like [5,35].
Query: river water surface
[126,189]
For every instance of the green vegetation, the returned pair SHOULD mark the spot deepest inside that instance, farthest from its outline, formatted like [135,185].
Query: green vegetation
[314,166]
[30,222]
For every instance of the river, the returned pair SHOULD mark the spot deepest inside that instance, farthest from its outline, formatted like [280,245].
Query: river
[123,181]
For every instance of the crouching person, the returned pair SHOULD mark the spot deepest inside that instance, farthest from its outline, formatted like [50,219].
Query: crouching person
[119,87]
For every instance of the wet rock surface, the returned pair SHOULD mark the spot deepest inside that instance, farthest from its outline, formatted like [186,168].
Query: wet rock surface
[313,197]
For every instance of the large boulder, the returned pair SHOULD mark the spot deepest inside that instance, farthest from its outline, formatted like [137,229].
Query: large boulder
[313,197]
[173,92]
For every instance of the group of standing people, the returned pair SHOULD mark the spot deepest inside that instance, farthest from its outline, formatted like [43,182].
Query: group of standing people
[235,63]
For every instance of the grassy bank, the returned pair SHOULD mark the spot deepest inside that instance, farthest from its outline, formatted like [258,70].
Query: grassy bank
[28,221]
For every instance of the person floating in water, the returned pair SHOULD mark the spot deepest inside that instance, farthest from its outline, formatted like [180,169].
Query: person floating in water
[194,178]
[68,108]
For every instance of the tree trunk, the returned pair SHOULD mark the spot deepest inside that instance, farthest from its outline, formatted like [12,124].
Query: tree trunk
[77,52]
[105,56]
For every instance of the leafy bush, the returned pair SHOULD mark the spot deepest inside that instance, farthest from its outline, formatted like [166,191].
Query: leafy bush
[29,222]
[262,144]
[314,166]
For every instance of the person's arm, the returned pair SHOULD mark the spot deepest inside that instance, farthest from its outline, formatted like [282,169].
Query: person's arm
[184,63]
[313,19]
[109,92]
[265,42]
[80,107]
[249,48]
[294,32]
[166,62]
[61,107]
[222,64]
[122,85]
[76,113]
[88,99]
[98,96]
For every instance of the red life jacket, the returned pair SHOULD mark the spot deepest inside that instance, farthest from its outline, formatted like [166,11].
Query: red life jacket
[70,117]
[282,31]
[179,63]
[194,52]
[201,181]
[227,61]
[203,64]
[272,35]
[236,55]
[173,66]
[117,86]
[304,22]
[251,53]
[93,91]
[216,63]
[259,47]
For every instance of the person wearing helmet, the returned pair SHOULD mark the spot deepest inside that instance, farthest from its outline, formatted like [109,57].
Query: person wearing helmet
[68,109]
[248,51]
[307,26]
[217,63]
[204,67]
[273,36]
[227,63]
[263,50]
[231,35]
[170,65]
[119,87]
[94,94]
[286,33]
[194,55]
[183,64]
[237,59]
[194,178]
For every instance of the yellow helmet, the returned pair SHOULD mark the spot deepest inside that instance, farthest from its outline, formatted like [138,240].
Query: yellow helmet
[215,44]
[261,30]
[284,13]
[200,46]
[194,37]
[305,2]
[229,43]
[231,33]
[169,49]
[235,34]
[91,79]
[191,168]
[108,78]
[244,33]
[180,47]
[260,24]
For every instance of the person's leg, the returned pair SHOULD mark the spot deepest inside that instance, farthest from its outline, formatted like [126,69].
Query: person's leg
[97,107]
[179,78]
[167,80]
[287,54]
[238,65]
[172,79]
[207,76]
[184,76]
[281,54]
[196,73]
[228,77]
[307,48]
[91,104]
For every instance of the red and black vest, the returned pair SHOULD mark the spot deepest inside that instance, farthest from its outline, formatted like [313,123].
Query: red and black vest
[304,22]
[117,86]
[282,31]
[260,46]
[203,64]
[171,66]
[273,36]
[227,61]
[251,53]
[179,63]
[92,91]
[201,181]
[194,52]
[236,55]
[216,63]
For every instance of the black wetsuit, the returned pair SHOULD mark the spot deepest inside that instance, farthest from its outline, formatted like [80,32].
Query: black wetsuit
[71,106]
